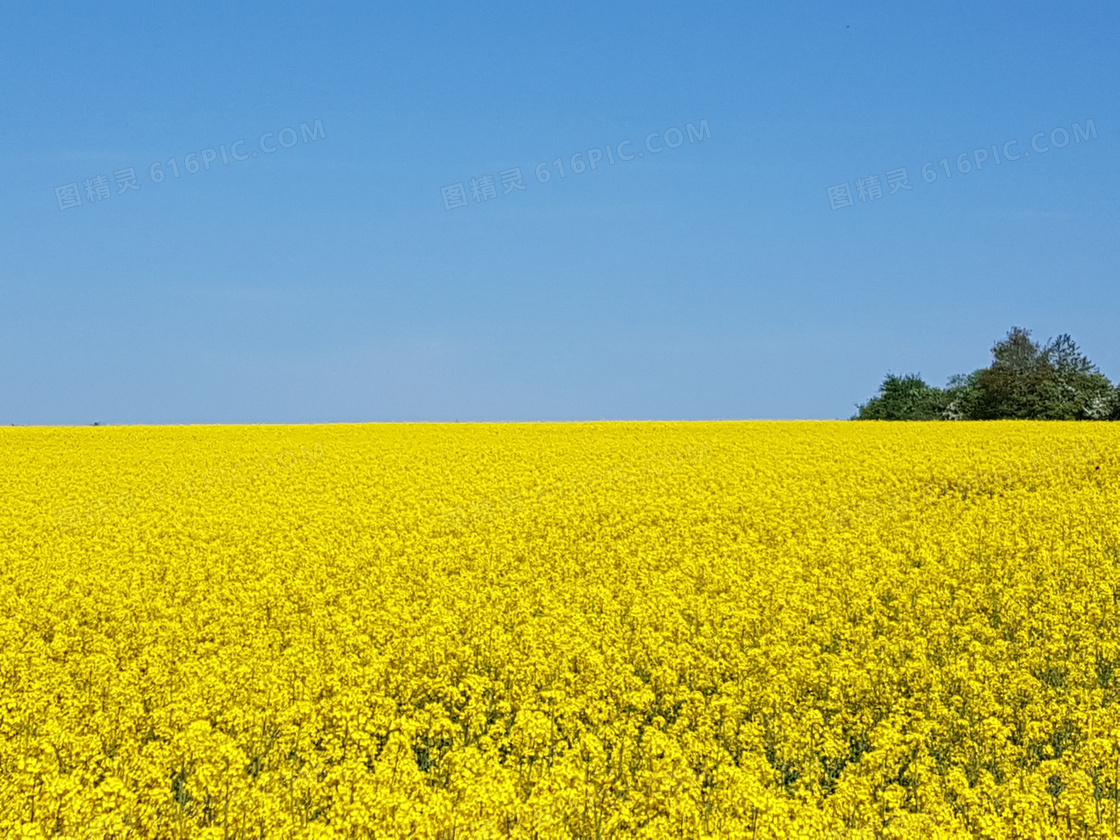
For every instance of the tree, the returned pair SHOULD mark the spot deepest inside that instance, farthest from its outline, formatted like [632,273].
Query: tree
[1014,385]
[1083,392]
[962,395]
[904,398]
[1026,380]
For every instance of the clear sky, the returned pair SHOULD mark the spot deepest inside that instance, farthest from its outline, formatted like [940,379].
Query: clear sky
[705,274]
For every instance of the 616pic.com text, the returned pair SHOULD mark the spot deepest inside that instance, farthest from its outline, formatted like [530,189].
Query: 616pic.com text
[97,188]
[483,188]
[870,187]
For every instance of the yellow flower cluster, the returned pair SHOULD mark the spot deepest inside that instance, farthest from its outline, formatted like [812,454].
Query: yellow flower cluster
[607,630]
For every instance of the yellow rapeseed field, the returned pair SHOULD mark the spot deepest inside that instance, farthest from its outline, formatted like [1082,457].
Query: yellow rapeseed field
[604,630]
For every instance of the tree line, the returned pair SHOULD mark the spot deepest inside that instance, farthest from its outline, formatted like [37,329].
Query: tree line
[1026,380]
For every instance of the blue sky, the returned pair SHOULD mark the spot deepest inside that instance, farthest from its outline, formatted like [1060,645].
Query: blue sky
[325,280]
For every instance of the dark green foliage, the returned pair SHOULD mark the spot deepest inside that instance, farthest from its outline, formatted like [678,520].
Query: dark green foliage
[1026,380]
[1054,381]
[904,398]
[964,394]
